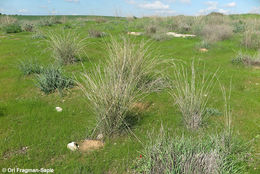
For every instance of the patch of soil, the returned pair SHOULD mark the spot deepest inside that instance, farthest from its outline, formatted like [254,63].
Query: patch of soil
[134,33]
[21,151]
[89,145]
[141,106]
[203,50]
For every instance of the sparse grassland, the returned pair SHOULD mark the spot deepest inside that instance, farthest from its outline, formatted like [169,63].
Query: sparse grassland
[120,72]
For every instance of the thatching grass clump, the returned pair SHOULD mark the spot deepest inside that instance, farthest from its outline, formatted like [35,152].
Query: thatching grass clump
[52,78]
[213,33]
[122,81]
[210,155]
[251,39]
[191,92]
[65,46]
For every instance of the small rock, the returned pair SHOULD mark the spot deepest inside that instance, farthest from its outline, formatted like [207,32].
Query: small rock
[73,146]
[134,33]
[58,109]
[100,137]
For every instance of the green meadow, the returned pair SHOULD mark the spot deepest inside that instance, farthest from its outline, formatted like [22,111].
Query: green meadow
[34,135]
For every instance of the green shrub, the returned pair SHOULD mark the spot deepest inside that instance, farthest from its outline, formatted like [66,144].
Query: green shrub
[51,79]
[30,67]
[173,154]
[13,28]
[212,112]
[239,27]
[120,82]
[65,46]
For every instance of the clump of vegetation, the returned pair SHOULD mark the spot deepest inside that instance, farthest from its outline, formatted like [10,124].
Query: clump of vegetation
[247,59]
[66,46]
[251,39]
[239,26]
[173,154]
[121,82]
[52,78]
[191,91]
[13,28]
[28,26]
[49,21]
[30,66]
[151,29]
[38,34]
[96,33]
[7,20]
[212,112]
[213,33]
[204,44]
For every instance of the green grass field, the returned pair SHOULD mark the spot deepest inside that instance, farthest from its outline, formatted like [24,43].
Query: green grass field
[28,117]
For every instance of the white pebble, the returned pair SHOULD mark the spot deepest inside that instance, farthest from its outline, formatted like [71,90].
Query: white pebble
[58,109]
[72,146]
[100,136]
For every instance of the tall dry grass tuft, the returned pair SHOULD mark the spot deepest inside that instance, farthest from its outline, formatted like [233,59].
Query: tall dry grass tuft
[191,92]
[66,46]
[127,75]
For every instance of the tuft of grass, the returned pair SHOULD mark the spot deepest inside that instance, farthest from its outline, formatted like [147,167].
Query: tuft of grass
[174,154]
[66,46]
[191,92]
[28,26]
[122,81]
[52,78]
[30,67]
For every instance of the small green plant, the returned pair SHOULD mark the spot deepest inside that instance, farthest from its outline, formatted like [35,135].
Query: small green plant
[30,67]
[191,91]
[52,78]
[13,28]
[212,112]
[66,46]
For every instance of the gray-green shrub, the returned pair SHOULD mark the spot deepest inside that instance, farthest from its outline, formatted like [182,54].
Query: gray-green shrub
[52,78]
[30,66]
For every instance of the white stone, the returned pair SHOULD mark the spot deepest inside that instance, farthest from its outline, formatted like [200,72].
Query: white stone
[72,146]
[100,136]
[58,109]
[179,35]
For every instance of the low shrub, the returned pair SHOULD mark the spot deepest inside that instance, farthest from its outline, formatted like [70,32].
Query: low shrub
[28,26]
[212,112]
[120,82]
[239,27]
[52,78]
[151,29]
[65,46]
[13,28]
[246,59]
[30,67]
[96,33]
[213,33]
[7,20]
[191,92]
[38,35]
[173,154]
